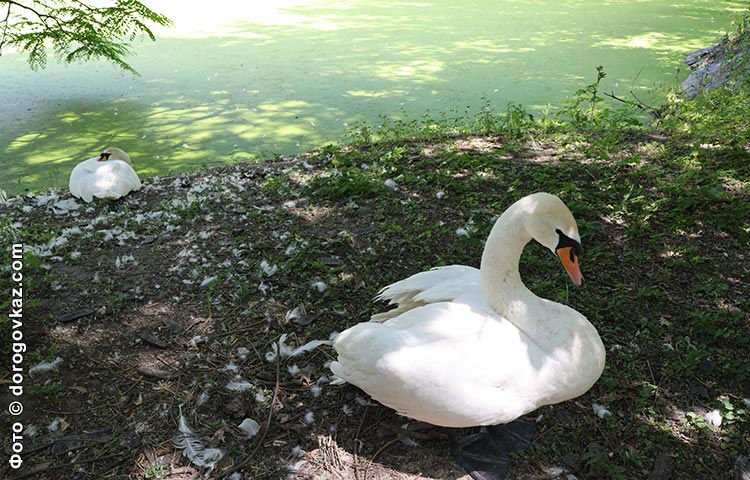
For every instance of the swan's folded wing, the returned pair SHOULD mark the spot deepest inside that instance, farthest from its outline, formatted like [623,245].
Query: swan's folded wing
[437,285]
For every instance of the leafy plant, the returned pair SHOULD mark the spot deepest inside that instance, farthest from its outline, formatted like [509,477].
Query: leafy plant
[77,31]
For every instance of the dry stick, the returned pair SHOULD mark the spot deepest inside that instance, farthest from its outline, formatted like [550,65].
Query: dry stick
[262,437]
[356,445]
[378,453]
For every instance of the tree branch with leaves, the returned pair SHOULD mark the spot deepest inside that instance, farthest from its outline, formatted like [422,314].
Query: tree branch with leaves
[75,30]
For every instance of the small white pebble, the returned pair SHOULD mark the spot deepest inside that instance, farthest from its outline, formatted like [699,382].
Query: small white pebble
[319,286]
[439,195]
[746,401]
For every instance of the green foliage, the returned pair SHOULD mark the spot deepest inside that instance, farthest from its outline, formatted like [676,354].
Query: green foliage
[76,31]
[347,183]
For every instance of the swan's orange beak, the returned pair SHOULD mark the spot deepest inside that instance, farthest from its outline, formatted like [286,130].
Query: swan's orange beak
[570,261]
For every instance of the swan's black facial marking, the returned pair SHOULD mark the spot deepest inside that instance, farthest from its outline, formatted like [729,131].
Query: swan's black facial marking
[567,242]
[104,156]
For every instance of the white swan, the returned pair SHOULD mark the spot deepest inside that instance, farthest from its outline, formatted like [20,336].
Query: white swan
[108,176]
[468,347]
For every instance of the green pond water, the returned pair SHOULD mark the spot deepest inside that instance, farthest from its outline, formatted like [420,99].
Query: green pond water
[248,80]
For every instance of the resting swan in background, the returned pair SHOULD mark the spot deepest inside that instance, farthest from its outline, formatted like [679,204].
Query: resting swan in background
[108,176]
[468,347]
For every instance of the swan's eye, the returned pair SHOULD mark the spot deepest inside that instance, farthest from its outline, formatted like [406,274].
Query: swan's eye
[565,241]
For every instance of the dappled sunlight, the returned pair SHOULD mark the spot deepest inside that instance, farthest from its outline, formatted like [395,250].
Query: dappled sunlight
[417,71]
[651,41]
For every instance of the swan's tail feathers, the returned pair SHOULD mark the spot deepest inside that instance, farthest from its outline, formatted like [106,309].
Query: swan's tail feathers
[486,455]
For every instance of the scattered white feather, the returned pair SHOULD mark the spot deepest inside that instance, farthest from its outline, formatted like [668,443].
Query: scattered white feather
[242,352]
[197,339]
[296,468]
[229,367]
[236,476]
[315,391]
[202,399]
[208,280]
[71,231]
[45,366]
[309,417]
[390,183]
[319,286]
[600,411]
[746,401]
[295,314]
[362,401]
[440,195]
[409,442]
[56,424]
[250,427]
[280,349]
[31,431]
[293,370]
[65,206]
[298,452]
[124,260]
[268,269]
[462,232]
[260,397]
[714,418]
[193,448]
[240,386]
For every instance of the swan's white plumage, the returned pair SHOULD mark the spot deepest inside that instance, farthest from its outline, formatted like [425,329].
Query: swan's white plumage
[470,347]
[107,179]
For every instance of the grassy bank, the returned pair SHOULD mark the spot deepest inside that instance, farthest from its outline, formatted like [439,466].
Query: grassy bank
[179,292]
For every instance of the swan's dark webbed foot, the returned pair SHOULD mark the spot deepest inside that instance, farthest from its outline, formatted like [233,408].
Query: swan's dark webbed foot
[485,455]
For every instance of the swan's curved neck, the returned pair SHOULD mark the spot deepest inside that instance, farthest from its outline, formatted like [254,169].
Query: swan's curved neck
[501,280]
